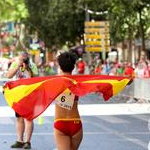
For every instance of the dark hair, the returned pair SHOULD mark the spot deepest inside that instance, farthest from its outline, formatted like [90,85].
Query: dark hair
[25,54]
[26,61]
[66,61]
[25,57]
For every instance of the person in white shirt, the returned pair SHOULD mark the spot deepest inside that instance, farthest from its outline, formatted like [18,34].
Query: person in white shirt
[22,68]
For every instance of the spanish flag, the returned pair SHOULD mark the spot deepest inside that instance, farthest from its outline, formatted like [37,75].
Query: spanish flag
[30,97]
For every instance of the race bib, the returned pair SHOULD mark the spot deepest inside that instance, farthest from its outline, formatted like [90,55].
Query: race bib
[65,100]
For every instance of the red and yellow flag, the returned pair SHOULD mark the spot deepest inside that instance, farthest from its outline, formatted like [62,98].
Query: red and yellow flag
[30,97]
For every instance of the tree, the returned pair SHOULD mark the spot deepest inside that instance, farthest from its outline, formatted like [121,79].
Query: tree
[12,10]
[141,8]
[129,20]
[56,21]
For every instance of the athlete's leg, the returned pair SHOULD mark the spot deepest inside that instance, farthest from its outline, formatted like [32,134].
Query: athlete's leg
[76,140]
[62,141]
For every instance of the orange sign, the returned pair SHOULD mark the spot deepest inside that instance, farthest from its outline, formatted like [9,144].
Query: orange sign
[97,49]
[96,36]
[97,23]
[98,43]
[98,30]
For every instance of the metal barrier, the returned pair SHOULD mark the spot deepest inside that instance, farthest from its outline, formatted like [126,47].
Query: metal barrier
[128,91]
[139,89]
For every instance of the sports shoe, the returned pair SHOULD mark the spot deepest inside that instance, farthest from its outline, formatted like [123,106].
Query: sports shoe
[17,144]
[27,145]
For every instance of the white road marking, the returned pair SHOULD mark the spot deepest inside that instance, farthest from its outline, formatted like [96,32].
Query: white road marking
[113,119]
[92,110]
[141,117]
[122,136]
[6,121]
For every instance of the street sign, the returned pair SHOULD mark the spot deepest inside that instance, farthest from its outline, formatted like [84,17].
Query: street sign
[97,23]
[97,37]
[98,43]
[98,30]
[97,49]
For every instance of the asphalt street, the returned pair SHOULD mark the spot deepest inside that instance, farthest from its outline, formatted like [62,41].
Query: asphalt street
[101,131]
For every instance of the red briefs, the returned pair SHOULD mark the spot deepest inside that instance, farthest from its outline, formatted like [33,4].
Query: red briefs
[68,126]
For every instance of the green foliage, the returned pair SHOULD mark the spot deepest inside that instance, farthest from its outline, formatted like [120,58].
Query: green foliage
[125,20]
[12,10]
[56,21]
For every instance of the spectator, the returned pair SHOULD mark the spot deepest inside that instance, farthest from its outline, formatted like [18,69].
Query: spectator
[139,70]
[22,68]
[105,68]
[120,69]
[80,66]
[146,71]
[128,71]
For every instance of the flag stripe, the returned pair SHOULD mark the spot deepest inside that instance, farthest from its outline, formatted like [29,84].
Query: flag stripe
[117,85]
[30,97]
[77,78]
[19,92]
[36,102]
[25,90]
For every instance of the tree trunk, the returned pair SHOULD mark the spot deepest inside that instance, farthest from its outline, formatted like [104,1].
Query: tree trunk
[142,35]
[130,44]
[123,51]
